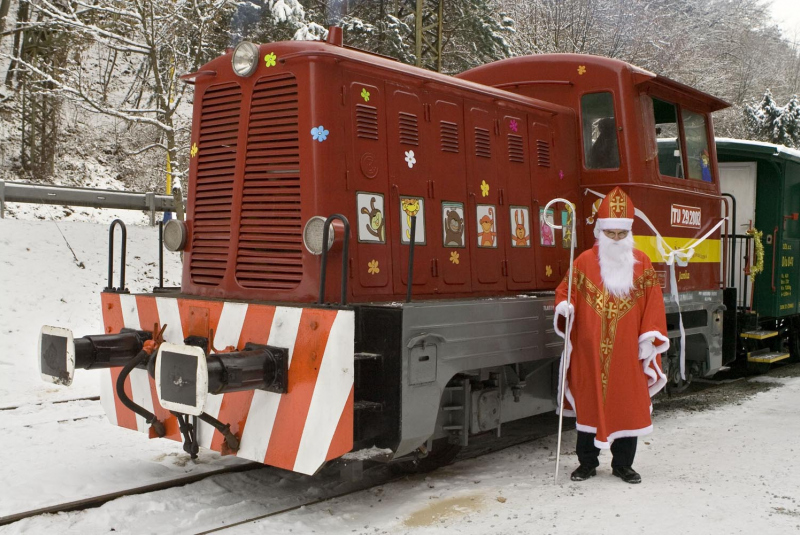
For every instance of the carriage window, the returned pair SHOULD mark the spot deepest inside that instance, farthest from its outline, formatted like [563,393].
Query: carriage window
[600,150]
[697,158]
[669,150]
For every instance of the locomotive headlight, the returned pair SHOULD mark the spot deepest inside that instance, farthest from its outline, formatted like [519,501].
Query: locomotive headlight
[312,235]
[245,58]
[175,235]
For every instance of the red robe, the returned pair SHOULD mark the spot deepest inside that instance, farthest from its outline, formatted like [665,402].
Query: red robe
[615,363]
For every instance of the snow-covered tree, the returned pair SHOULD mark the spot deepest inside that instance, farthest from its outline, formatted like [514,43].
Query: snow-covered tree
[128,56]
[767,121]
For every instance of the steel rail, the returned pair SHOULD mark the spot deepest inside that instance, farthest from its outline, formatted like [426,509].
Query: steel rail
[97,501]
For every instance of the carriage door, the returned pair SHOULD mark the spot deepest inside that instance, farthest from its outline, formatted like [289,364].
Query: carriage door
[409,153]
[516,166]
[367,179]
[449,230]
[549,245]
[486,228]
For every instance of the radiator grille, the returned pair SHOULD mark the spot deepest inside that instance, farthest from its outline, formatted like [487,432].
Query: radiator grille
[269,255]
[516,149]
[366,121]
[409,131]
[543,153]
[449,136]
[483,143]
[216,163]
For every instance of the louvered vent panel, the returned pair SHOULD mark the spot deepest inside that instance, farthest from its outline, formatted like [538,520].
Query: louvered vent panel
[543,153]
[270,232]
[483,143]
[449,136]
[409,131]
[516,149]
[366,121]
[216,163]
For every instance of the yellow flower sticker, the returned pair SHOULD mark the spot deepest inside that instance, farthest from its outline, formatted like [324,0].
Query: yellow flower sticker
[365,94]
[269,59]
[373,267]
[548,271]
[581,70]
[194,150]
[484,188]
[454,257]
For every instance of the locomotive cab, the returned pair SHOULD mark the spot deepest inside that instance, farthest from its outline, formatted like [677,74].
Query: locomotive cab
[653,137]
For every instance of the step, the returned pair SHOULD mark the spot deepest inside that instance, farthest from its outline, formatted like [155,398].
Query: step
[767,358]
[367,406]
[453,408]
[759,334]
[366,356]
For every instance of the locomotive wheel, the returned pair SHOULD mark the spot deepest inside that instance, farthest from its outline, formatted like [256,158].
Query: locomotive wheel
[675,384]
[442,454]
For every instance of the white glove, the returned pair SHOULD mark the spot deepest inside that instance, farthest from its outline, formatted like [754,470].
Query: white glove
[562,309]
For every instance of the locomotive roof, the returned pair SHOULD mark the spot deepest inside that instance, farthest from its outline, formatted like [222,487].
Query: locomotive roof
[559,69]
[308,49]
[759,148]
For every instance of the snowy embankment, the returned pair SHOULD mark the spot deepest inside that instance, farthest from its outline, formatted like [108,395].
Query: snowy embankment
[44,284]
[730,469]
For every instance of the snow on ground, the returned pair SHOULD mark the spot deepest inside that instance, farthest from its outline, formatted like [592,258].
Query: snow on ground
[43,284]
[730,469]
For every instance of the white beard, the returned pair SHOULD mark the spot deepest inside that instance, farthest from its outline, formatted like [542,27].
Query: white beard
[616,264]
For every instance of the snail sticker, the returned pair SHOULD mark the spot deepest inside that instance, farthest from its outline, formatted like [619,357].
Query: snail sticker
[546,237]
[410,207]
[453,224]
[520,226]
[371,218]
[487,231]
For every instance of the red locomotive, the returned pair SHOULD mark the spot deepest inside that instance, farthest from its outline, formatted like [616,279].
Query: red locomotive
[403,175]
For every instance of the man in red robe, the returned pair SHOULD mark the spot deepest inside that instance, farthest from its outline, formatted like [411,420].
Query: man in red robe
[618,331]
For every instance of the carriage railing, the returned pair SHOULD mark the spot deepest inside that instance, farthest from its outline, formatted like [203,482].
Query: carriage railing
[742,263]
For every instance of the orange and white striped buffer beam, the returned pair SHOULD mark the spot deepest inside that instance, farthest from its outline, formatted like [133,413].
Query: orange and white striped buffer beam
[300,430]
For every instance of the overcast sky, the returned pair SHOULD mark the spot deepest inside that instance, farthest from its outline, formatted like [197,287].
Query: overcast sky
[787,14]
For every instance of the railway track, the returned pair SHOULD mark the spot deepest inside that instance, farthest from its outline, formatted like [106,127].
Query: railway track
[378,474]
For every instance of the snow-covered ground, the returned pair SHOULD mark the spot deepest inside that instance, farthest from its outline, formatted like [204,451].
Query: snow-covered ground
[729,469]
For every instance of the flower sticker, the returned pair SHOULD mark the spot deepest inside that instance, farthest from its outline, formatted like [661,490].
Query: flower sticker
[581,70]
[365,94]
[410,159]
[561,175]
[512,124]
[319,133]
[372,267]
[454,257]
[484,188]
[269,59]
[194,150]
[548,270]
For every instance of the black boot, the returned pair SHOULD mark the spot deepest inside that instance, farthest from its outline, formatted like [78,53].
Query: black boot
[627,474]
[583,472]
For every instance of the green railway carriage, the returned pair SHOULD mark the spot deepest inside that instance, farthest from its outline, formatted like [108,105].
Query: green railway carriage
[764,180]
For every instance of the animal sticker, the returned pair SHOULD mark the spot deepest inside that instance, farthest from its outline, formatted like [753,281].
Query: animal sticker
[371,218]
[453,224]
[546,236]
[410,207]
[487,233]
[520,226]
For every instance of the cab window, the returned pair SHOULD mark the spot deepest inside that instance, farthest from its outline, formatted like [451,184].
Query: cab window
[669,150]
[698,162]
[679,130]
[600,150]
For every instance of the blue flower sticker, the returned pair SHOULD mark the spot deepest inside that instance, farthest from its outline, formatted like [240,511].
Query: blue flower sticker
[319,133]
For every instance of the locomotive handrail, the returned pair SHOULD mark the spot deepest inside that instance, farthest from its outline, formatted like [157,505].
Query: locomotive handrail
[411,244]
[733,240]
[324,267]
[110,287]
